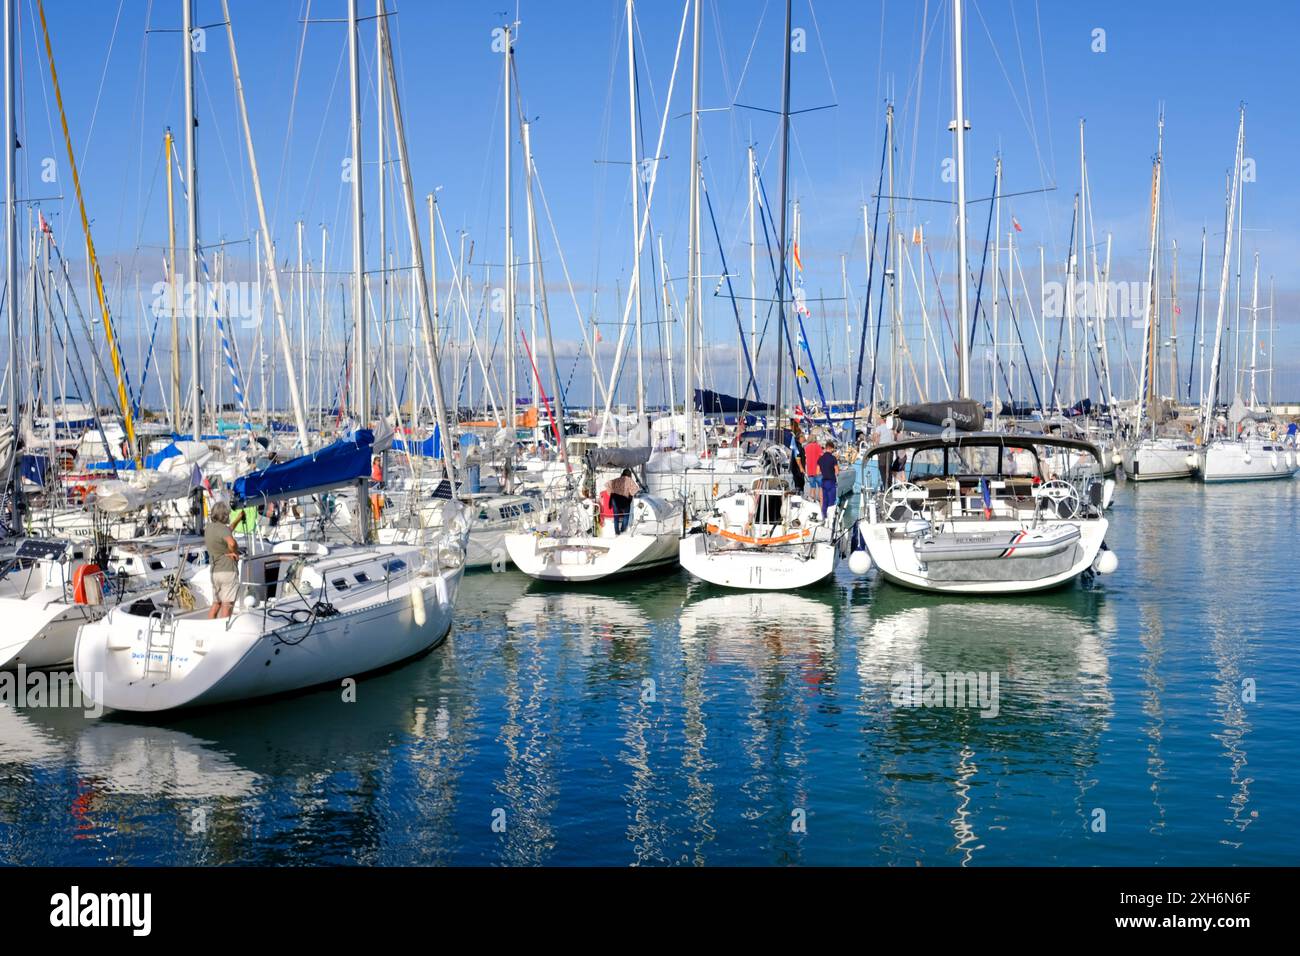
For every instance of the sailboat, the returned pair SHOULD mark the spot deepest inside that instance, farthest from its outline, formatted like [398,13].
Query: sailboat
[1152,456]
[1238,447]
[765,536]
[983,512]
[569,543]
[306,613]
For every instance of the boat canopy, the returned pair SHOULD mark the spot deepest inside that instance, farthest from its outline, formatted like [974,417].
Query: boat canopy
[334,465]
[965,440]
[618,457]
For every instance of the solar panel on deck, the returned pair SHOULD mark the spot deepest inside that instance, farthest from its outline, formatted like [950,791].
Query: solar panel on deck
[34,548]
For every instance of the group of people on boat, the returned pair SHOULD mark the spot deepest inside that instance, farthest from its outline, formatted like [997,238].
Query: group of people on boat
[814,467]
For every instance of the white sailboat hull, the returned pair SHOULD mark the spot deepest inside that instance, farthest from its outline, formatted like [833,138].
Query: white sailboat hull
[40,630]
[1246,461]
[757,568]
[1156,460]
[1010,571]
[253,655]
[587,558]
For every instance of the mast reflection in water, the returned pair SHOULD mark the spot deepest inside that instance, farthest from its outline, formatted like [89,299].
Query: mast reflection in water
[658,722]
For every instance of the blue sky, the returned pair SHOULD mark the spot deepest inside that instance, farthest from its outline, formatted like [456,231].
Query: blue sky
[1032,73]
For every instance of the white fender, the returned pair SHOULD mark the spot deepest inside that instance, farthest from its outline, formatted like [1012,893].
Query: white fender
[417,605]
[859,562]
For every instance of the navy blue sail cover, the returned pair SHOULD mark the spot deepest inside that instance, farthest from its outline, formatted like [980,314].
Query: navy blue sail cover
[330,467]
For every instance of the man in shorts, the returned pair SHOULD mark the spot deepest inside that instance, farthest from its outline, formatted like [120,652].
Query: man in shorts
[223,558]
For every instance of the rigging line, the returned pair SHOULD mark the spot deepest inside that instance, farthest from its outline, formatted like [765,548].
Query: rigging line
[866,302]
[753,382]
[1042,73]
[142,84]
[103,76]
[1011,89]
[783,327]
[979,286]
[293,108]
[221,144]
[85,223]
[744,70]
[77,368]
[1200,282]
[1060,333]
[1024,76]
[316,149]
[812,12]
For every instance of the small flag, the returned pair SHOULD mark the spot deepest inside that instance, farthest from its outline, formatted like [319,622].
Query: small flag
[801,373]
[798,263]
[1016,224]
[597,339]
[1178,310]
[801,306]
[916,235]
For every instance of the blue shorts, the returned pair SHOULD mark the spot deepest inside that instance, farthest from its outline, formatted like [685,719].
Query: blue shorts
[814,481]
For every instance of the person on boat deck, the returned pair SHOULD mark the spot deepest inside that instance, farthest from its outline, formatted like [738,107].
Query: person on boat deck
[377,487]
[813,455]
[797,457]
[828,467]
[883,434]
[621,492]
[898,470]
[223,556]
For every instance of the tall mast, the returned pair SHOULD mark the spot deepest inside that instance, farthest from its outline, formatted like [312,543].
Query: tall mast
[693,241]
[509,264]
[172,300]
[1254,332]
[432,200]
[384,333]
[268,248]
[1173,326]
[753,270]
[417,253]
[360,370]
[1213,387]
[535,256]
[192,217]
[11,257]
[780,237]
[959,126]
[636,208]
[1200,321]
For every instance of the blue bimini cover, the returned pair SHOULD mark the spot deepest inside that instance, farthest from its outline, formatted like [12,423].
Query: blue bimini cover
[332,466]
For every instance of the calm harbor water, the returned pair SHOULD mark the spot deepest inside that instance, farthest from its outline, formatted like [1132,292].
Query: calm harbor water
[661,722]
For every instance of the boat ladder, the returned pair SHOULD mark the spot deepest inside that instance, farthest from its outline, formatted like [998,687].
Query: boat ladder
[159,641]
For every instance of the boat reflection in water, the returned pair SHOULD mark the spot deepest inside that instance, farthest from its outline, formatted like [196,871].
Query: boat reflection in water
[761,666]
[314,771]
[1042,664]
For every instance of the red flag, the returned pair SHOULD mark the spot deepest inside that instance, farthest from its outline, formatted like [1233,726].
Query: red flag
[1016,224]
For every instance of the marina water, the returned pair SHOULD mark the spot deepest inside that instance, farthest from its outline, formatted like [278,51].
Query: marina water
[1149,719]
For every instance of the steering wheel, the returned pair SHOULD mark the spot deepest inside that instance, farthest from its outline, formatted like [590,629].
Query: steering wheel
[898,500]
[1061,497]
